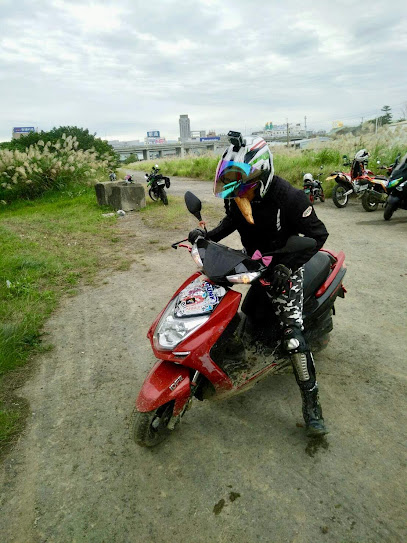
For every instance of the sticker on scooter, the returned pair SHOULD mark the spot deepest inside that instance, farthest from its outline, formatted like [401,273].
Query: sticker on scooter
[200,297]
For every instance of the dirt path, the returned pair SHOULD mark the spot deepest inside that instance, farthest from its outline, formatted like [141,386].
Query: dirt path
[238,470]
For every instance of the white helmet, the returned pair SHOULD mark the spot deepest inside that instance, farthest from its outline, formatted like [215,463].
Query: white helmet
[307,177]
[362,155]
[245,164]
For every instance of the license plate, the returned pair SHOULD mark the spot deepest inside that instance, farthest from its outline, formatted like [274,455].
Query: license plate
[159,183]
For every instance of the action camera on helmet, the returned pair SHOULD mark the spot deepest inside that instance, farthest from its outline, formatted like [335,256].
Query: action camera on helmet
[236,140]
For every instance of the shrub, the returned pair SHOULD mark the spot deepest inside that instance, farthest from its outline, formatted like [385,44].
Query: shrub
[45,166]
[84,139]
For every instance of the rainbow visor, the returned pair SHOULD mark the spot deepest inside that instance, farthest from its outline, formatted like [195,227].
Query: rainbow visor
[234,179]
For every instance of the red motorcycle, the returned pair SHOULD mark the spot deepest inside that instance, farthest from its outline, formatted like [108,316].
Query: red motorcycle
[350,183]
[206,348]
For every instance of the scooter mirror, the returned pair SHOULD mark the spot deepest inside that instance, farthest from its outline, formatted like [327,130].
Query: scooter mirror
[194,204]
[295,244]
[321,167]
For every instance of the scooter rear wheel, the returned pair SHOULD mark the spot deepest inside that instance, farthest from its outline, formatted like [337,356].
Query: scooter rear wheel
[151,428]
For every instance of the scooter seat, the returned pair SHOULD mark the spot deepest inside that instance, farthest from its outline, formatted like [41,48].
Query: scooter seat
[316,271]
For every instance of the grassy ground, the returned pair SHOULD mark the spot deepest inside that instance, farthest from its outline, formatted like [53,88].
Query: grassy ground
[47,247]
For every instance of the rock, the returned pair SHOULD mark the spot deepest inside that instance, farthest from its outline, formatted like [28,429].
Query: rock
[121,196]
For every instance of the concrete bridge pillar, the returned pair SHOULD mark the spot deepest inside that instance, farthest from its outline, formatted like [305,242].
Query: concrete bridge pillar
[146,154]
[160,154]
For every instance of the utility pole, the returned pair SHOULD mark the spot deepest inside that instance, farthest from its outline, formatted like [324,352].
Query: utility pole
[288,138]
[305,125]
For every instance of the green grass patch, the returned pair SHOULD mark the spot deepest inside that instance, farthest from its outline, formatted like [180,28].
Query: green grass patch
[201,167]
[175,216]
[47,247]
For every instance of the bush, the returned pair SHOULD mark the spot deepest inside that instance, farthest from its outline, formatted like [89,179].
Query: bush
[84,139]
[131,158]
[47,166]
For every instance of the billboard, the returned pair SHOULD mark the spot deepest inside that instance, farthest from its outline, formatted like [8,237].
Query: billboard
[211,138]
[23,129]
[155,140]
[153,134]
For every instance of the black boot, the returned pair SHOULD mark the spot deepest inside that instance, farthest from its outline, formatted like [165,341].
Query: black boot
[304,371]
[312,412]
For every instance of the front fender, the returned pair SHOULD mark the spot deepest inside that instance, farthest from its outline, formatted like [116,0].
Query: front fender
[166,382]
[394,200]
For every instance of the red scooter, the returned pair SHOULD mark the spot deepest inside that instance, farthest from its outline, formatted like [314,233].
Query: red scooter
[206,348]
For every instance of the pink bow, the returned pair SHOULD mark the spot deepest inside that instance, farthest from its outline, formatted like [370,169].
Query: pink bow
[265,259]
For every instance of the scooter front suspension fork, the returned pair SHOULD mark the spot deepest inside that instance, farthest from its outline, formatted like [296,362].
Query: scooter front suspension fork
[175,419]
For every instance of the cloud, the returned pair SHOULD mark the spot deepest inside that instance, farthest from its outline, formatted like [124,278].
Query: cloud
[128,66]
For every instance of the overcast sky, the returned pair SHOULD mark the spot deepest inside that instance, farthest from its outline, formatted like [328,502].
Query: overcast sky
[123,67]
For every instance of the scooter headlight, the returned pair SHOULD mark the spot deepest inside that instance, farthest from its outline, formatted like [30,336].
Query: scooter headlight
[171,330]
[247,277]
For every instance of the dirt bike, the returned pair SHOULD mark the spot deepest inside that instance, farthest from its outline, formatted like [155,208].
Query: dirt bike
[156,184]
[377,188]
[346,185]
[375,192]
[207,349]
[313,187]
[397,189]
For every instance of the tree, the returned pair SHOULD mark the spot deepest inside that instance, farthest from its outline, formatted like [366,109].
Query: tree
[403,112]
[130,159]
[386,118]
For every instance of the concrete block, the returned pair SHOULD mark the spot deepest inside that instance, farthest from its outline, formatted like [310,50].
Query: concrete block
[126,196]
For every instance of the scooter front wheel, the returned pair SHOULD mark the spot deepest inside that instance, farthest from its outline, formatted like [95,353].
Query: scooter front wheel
[151,428]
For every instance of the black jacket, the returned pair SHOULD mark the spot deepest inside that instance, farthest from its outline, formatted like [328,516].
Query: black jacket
[284,211]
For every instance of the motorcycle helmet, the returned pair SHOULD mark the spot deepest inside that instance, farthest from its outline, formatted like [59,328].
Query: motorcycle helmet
[308,177]
[245,164]
[362,156]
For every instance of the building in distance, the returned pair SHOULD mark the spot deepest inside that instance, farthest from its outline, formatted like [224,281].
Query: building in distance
[19,131]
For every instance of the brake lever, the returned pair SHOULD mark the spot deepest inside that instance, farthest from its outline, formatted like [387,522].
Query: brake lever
[175,245]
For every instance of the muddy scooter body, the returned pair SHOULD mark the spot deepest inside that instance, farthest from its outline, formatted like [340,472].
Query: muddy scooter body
[208,349]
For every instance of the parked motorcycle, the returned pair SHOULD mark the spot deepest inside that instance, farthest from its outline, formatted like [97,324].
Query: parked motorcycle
[397,189]
[375,192]
[313,187]
[156,184]
[348,184]
[206,348]
[377,187]
[389,169]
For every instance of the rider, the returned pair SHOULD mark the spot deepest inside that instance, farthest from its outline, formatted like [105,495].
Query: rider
[359,163]
[266,210]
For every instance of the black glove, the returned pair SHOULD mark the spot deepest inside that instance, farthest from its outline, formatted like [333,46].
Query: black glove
[196,233]
[279,279]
